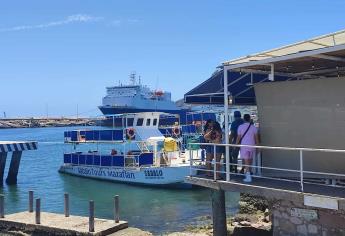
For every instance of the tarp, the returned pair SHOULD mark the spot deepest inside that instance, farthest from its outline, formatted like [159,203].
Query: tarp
[240,87]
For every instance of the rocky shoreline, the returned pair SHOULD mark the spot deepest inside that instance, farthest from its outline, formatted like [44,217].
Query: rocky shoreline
[253,218]
[46,122]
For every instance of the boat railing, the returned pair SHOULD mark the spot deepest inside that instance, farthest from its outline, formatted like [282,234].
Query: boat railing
[107,160]
[301,173]
[99,136]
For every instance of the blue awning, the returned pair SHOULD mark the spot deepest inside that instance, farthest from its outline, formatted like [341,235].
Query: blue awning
[240,87]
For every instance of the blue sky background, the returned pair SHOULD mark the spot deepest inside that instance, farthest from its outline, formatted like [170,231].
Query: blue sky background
[58,54]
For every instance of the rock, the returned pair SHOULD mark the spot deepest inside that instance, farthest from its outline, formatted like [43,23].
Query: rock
[312,229]
[302,229]
[257,202]
[246,231]
[131,231]
[287,227]
[296,220]
[245,223]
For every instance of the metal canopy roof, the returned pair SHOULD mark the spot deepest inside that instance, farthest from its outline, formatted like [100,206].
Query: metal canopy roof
[240,86]
[323,41]
[317,58]
[323,62]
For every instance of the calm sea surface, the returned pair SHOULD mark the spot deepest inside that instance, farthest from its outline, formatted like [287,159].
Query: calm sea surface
[157,210]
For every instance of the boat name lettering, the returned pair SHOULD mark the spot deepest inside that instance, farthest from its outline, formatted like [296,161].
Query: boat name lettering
[153,173]
[110,173]
[121,174]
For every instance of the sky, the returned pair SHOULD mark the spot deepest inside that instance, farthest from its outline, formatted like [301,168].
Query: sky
[57,57]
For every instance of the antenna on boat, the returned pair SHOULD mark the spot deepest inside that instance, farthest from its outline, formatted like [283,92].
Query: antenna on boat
[132,78]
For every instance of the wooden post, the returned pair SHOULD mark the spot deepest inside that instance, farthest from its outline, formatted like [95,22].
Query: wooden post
[91,216]
[31,201]
[38,211]
[219,212]
[66,196]
[14,167]
[116,209]
[2,206]
[3,156]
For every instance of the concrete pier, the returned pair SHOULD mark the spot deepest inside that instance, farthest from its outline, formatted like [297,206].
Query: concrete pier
[317,211]
[14,168]
[3,157]
[57,224]
[16,147]
[219,212]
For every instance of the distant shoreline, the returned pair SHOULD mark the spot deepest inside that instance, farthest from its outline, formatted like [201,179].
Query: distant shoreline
[11,123]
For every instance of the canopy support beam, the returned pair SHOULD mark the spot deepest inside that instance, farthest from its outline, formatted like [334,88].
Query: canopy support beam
[331,58]
[226,123]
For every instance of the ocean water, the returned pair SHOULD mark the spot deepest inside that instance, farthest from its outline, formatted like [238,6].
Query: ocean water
[158,210]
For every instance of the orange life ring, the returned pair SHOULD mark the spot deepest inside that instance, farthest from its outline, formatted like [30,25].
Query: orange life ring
[130,133]
[176,131]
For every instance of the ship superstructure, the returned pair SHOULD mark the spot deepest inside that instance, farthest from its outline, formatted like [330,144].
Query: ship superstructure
[135,97]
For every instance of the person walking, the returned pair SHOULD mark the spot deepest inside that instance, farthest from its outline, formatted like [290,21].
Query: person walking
[233,140]
[247,135]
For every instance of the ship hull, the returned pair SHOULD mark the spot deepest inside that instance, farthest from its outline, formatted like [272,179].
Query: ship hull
[108,110]
[153,176]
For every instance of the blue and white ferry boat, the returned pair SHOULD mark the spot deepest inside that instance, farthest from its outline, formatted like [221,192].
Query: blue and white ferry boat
[142,154]
[136,98]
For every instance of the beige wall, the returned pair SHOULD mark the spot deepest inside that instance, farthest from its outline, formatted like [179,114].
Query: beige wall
[308,113]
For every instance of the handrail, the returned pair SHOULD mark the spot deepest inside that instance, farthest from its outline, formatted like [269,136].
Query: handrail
[275,147]
[299,170]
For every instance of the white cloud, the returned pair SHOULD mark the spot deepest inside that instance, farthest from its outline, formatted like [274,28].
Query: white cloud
[116,23]
[78,18]
[120,22]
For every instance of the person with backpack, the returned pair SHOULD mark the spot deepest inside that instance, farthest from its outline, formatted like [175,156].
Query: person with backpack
[247,135]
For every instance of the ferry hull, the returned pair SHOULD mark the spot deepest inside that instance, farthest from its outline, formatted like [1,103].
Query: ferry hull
[108,110]
[157,176]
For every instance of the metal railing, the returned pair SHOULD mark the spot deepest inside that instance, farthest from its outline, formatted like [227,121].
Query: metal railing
[198,164]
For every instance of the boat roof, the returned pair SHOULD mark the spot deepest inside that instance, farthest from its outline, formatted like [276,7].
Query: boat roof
[317,58]
[132,115]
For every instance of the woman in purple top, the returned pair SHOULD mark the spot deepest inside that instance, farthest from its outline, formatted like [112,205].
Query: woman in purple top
[247,135]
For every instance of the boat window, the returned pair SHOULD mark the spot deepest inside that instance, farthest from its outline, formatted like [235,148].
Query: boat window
[154,122]
[148,122]
[140,122]
[130,121]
